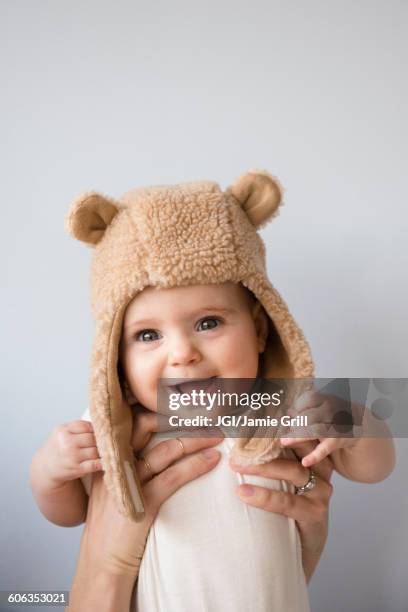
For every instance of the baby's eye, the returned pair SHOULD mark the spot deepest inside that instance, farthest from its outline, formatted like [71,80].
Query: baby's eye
[211,321]
[147,335]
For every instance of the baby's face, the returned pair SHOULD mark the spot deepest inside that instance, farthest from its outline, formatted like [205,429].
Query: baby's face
[197,332]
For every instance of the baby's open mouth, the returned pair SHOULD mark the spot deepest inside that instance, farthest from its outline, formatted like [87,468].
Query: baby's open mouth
[187,386]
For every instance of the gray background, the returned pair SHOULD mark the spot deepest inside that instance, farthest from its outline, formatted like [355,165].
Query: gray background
[110,96]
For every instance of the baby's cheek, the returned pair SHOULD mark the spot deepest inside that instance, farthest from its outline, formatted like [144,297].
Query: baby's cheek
[244,362]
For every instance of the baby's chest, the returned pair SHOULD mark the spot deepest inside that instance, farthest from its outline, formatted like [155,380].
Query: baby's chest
[207,545]
[207,517]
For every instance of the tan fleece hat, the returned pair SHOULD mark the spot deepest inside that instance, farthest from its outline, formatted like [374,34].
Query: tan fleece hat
[166,236]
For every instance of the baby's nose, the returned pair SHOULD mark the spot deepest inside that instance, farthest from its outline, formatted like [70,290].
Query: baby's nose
[183,351]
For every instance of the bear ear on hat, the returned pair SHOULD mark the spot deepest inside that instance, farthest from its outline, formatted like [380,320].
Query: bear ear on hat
[259,194]
[89,216]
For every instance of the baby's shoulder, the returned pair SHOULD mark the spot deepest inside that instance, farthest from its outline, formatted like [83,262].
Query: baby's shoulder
[86,416]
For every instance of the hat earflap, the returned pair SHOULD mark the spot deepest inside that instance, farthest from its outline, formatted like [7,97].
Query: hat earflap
[259,194]
[89,216]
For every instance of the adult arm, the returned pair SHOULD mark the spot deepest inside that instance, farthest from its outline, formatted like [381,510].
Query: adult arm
[112,546]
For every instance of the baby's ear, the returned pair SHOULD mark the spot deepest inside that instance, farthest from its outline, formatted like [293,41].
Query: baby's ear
[259,194]
[261,324]
[89,216]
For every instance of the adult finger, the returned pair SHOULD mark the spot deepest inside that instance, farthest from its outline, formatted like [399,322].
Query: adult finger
[145,423]
[165,453]
[162,486]
[298,507]
[280,469]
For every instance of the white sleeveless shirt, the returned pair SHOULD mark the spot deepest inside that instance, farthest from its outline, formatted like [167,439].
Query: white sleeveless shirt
[209,551]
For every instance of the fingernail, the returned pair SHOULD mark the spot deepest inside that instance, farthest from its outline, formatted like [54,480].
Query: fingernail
[246,490]
[209,453]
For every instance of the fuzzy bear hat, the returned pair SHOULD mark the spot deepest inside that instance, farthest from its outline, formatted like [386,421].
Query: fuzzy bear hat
[166,236]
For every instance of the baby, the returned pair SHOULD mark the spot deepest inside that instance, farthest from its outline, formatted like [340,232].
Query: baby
[205,545]
[204,537]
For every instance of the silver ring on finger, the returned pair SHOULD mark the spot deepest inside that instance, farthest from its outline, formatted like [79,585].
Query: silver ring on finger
[311,483]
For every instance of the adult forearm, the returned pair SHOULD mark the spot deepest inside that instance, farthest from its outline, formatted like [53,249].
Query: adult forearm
[309,562]
[98,583]
[63,504]
[313,540]
[102,592]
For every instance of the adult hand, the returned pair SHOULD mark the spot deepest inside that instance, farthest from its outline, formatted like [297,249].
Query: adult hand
[310,510]
[112,545]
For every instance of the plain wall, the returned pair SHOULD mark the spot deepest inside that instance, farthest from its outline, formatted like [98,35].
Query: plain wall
[110,96]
